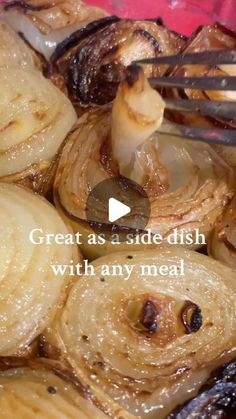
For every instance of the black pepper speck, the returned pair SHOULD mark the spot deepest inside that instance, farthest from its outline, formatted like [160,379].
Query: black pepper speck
[51,390]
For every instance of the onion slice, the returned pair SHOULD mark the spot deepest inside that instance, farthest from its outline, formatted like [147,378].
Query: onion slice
[35,118]
[30,293]
[125,336]
[215,37]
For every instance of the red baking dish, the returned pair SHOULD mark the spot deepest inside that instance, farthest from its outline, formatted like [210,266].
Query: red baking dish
[183,16]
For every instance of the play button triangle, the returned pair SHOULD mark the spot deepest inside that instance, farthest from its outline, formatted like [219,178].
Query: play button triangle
[117,210]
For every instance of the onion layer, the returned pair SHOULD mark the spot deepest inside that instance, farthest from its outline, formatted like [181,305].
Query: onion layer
[207,38]
[48,16]
[30,293]
[126,338]
[43,389]
[222,244]
[14,51]
[35,118]
[188,185]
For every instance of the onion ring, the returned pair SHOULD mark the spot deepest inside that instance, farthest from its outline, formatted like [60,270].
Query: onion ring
[30,293]
[148,370]
[35,118]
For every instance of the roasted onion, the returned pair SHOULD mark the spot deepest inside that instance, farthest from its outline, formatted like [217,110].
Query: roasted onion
[222,243]
[14,51]
[43,389]
[30,293]
[49,16]
[217,398]
[208,38]
[35,118]
[92,62]
[125,336]
[45,24]
[187,183]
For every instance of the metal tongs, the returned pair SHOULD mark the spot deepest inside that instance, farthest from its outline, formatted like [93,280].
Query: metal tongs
[223,109]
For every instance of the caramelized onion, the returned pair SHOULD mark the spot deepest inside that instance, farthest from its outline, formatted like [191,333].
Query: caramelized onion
[149,317]
[93,61]
[148,370]
[222,244]
[43,388]
[214,37]
[217,398]
[187,183]
[45,24]
[35,118]
[30,293]
[191,316]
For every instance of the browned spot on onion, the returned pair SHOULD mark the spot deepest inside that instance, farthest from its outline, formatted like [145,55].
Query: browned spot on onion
[142,316]
[8,125]
[51,390]
[40,115]
[149,316]
[191,316]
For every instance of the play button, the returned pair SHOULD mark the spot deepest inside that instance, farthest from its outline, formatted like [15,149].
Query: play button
[117,210]
[118,206]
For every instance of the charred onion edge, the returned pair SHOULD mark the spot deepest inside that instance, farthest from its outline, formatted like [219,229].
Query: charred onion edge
[149,316]
[94,26]
[81,34]
[195,323]
[76,84]
[25,6]
[221,376]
